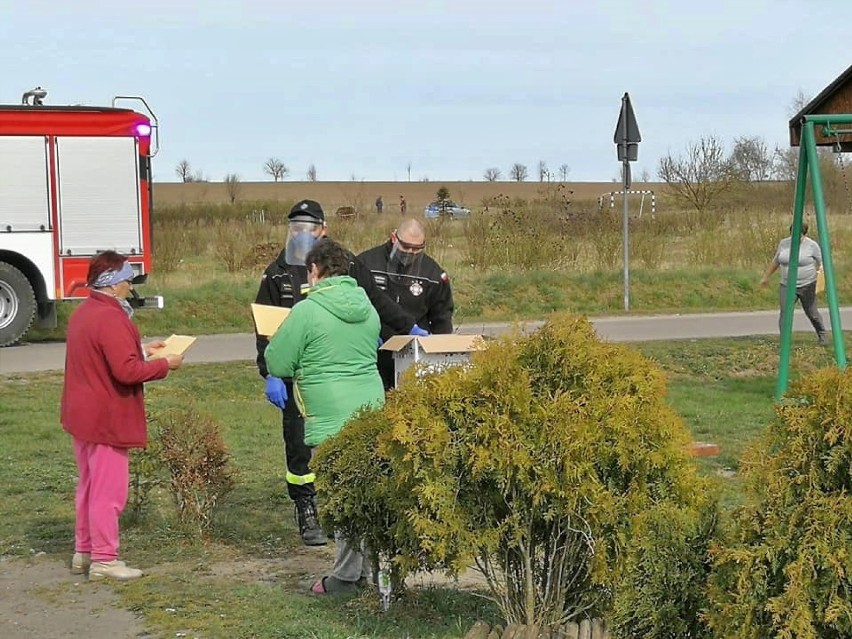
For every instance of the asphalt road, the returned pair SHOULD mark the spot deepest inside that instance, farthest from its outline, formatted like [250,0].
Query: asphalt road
[240,346]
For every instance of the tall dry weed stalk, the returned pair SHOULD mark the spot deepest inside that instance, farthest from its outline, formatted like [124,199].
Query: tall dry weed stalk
[146,468]
[234,241]
[549,233]
[519,236]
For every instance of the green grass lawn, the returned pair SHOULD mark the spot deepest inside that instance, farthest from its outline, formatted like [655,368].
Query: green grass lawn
[248,578]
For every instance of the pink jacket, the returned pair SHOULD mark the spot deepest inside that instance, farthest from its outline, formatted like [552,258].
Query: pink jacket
[102,399]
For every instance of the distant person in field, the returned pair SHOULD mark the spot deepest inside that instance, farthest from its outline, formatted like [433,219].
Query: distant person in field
[285,284]
[412,279]
[809,264]
[379,204]
[103,409]
[403,206]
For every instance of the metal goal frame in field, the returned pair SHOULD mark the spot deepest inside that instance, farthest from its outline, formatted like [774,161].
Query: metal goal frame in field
[643,193]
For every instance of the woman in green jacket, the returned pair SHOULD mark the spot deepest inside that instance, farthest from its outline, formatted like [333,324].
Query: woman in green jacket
[327,346]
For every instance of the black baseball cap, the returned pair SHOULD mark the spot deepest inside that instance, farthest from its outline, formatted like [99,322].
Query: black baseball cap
[307,211]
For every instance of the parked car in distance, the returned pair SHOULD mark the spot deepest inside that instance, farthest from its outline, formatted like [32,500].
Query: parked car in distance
[446,208]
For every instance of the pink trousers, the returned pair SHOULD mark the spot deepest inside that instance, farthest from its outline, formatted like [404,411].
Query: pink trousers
[104,472]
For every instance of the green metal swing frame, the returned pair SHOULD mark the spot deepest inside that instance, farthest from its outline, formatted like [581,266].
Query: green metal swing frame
[809,166]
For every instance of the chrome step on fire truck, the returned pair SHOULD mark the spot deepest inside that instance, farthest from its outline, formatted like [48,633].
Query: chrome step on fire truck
[74,181]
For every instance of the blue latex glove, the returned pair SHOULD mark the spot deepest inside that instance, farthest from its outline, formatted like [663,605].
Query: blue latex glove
[381,341]
[419,332]
[276,391]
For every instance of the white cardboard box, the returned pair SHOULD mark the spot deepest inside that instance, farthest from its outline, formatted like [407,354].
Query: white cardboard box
[434,352]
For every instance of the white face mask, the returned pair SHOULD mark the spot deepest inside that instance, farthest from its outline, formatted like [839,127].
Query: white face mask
[126,306]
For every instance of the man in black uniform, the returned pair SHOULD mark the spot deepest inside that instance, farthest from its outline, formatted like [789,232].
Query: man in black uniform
[415,281]
[285,283]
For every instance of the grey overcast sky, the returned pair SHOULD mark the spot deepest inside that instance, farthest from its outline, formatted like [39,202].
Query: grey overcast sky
[362,89]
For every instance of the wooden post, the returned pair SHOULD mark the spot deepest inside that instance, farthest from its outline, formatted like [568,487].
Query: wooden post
[479,630]
[599,629]
[496,632]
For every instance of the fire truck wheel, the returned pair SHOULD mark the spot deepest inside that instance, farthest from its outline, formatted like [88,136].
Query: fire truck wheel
[17,305]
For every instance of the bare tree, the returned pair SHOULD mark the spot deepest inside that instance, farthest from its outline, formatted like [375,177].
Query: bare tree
[518,172]
[276,168]
[543,173]
[751,160]
[785,160]
[799,102]
[699,176]
[645,176]
[233,186]
[184,171]
[198,176]
[785,164]
[312,173]
[564,170]
[492,175]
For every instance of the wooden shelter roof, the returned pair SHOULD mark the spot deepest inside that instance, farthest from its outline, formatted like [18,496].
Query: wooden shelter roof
[834,99]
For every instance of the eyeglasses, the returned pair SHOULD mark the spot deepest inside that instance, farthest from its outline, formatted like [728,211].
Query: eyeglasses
[410,248]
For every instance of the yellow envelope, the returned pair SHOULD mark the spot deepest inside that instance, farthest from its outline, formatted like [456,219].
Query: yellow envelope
[267,319]
[820,284]
[175,345]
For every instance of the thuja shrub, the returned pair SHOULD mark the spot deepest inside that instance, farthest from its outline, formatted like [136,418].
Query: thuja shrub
[200,473]
[664,591]
[534,462]
[787,572]
[364,499]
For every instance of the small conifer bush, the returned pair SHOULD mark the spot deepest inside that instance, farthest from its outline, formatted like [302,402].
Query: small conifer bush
[534,462]
[198,464]
[787,572]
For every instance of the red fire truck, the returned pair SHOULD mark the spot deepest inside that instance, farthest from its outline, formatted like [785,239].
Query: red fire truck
[74,181]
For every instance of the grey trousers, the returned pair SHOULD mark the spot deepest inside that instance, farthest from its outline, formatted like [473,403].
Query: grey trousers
[351,562]
[807,298]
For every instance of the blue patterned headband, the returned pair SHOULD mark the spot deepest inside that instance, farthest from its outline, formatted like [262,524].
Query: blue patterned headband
[113,277]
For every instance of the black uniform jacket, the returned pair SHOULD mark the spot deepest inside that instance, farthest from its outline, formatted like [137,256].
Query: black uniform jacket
[284,285]
[426,295]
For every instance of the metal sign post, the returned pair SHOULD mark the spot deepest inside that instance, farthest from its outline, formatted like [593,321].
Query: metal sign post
[627,139]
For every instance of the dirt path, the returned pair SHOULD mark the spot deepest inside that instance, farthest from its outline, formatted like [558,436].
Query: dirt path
[40,599]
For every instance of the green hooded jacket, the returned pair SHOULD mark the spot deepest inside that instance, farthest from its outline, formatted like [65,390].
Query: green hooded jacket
[328,346]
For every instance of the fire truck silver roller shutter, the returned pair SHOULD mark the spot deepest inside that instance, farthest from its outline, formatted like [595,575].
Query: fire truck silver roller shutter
[23,184]
[99,199]
[17,304]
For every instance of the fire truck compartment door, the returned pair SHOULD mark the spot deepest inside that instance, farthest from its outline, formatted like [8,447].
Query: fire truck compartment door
[24,203]
[99,205]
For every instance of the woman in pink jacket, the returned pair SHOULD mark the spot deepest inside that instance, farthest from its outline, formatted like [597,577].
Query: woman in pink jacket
[104,412]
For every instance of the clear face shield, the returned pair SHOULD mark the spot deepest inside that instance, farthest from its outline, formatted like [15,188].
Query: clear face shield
[405,260]
[301,237]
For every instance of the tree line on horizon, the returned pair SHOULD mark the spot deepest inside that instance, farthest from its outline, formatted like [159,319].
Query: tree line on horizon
[696,177]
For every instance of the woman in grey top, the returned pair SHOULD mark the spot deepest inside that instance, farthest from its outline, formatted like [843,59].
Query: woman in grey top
[810,262]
